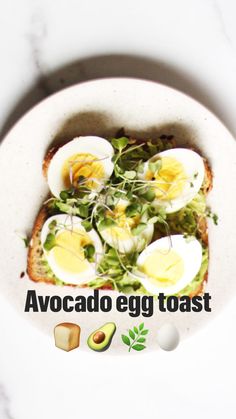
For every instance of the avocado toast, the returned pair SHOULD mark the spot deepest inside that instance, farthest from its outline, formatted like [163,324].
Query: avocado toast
[121,201]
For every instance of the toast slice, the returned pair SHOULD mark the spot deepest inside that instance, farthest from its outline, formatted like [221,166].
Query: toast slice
[39,271]
[36,269]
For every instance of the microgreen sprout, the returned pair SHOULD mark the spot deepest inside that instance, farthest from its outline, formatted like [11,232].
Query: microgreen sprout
[89,251]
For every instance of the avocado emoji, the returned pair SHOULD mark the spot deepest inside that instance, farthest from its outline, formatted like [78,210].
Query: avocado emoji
[100,339]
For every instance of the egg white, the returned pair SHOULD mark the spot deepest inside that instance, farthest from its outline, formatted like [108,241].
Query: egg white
[195,171]
[189,251]
[97,146]
[67,277]
[134,243]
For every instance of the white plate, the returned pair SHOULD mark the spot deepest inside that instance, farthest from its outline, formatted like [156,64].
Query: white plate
[100,107]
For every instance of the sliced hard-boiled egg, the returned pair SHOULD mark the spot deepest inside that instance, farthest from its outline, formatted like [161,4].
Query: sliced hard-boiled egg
[169,264]
[65,243]
[84,160]
[126,234]
[176,176]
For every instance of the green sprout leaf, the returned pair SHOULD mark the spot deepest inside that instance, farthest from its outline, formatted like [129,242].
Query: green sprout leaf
[152,148]
[109,200]
[106,223]
[140,168]
[141,326]
[52,225]
[135,330]
[132,210]
[119,143]
[188,238]
[83,211]
[63,207]
[118,194]
[26,241]
[160,213]
[87,225]
[64,195]
[89,251]
[215,219]
[112,258]
[112,262]
[130,174]
[212,215]
[155,166]
[149,195]
[129,195]
[153,220]
[160,220]
[50,242]
[139,229]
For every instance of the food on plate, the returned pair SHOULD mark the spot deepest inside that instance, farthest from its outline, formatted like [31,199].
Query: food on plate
[101,338]
[169,264]
[124,215]
[176,176]
[69,249]
[119,234]
[84,161]
[67,336]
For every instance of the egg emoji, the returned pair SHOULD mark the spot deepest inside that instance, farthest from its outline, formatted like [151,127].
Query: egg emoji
[71,252]
[176,176]
[84,161]
[125,233]
[169,264]
[168,337]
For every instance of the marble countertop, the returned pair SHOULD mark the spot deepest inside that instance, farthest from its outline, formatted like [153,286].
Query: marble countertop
[45,46]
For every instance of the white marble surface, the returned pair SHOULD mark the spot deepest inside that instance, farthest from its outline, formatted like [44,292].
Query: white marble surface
[46,45]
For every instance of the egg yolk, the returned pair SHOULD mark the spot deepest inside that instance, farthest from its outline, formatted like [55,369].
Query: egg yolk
[68,252]
[169,180]
[85,165]
[122,231]
[163,267]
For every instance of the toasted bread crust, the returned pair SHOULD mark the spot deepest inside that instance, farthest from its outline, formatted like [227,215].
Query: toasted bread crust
[200,289]
[208,184]
[48,158]
[202,227]
[35,270]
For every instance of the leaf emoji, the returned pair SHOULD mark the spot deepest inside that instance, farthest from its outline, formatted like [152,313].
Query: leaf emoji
[132,335]
[136,338]
[125,340]
[136,330]
[138,347]
[141,340]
